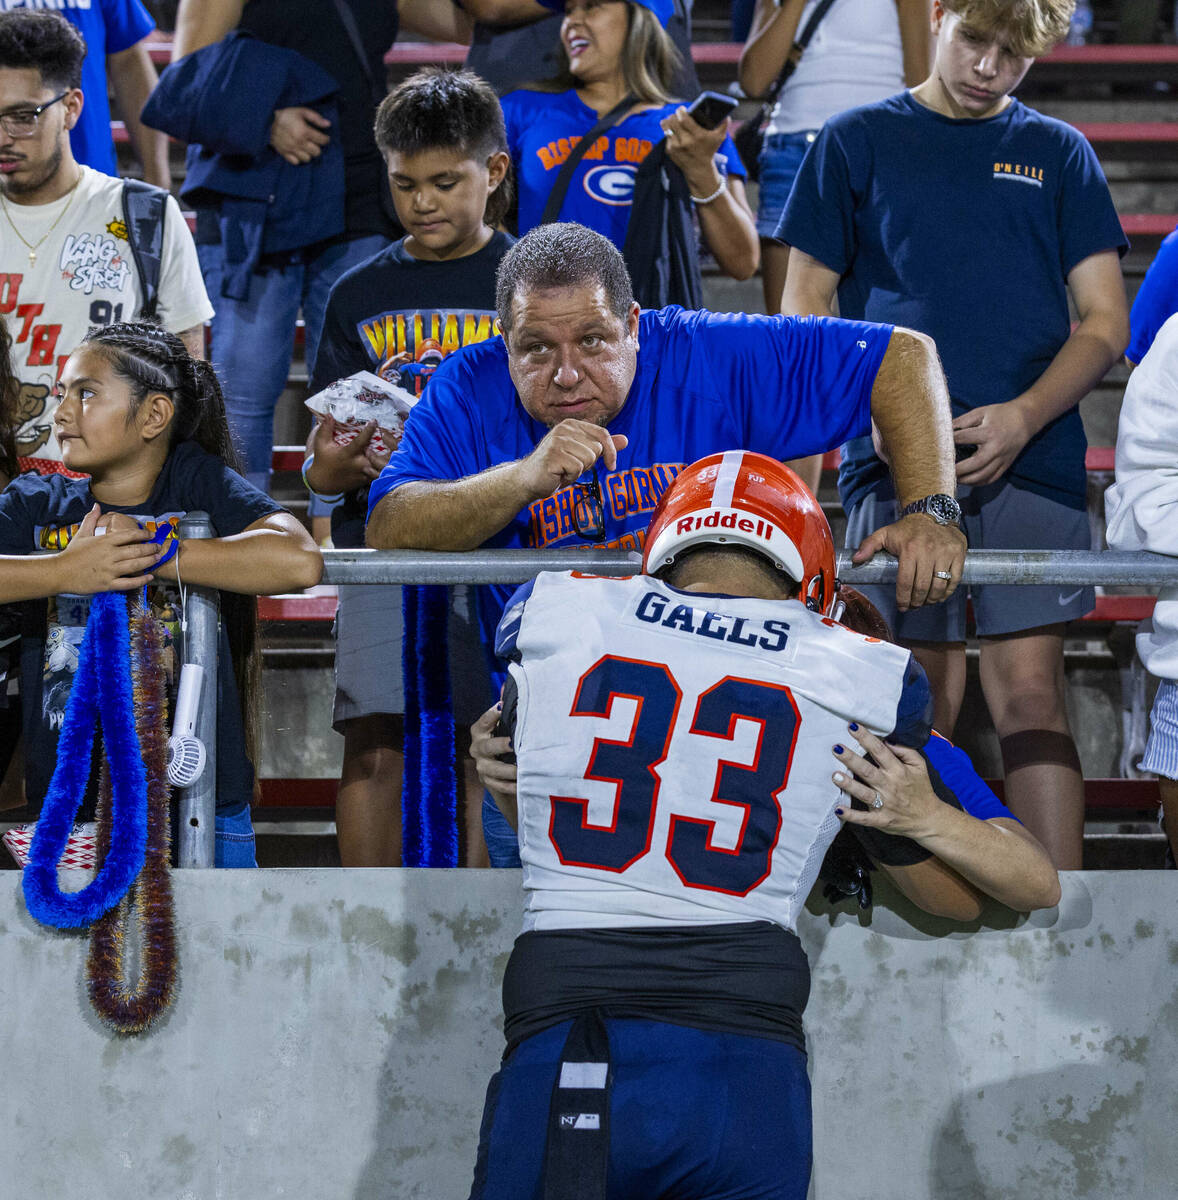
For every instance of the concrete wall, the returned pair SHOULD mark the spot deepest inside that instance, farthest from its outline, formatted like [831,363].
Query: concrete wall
[334,1031]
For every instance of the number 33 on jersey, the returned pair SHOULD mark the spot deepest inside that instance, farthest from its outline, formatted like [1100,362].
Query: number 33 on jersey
[674,748]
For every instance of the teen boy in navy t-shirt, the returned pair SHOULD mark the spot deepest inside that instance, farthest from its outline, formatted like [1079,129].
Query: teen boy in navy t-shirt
[400,313]
[958,211]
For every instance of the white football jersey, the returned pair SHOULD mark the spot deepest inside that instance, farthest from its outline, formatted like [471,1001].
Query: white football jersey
[674,748]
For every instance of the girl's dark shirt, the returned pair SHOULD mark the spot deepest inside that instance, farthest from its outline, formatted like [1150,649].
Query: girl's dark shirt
[40,512]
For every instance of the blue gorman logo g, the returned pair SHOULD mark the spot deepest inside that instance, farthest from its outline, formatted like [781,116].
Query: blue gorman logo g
[611,184]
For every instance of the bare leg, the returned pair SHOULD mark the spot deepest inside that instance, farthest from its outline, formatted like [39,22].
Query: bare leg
[809,469]
[944,664]
[368,804]
[1169,790]
[1023,680]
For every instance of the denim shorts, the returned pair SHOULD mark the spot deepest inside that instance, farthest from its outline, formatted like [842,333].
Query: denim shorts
[502,841]
[234,840]
[781,156]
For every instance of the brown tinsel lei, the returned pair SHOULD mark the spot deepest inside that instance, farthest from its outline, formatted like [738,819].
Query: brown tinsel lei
[147,907]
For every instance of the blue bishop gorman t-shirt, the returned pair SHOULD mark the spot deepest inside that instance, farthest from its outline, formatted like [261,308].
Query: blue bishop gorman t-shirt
[542,127]
[965,230]
[705,383]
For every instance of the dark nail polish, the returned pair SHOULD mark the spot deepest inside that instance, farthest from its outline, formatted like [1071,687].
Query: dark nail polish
[853,727]
[838,749]
[838,812]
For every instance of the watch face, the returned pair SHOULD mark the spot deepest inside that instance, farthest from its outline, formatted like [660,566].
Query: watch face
[944,509]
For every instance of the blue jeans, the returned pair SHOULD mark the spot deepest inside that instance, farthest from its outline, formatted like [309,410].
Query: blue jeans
[781,156]
[251,339]
[502,841]
[234,844]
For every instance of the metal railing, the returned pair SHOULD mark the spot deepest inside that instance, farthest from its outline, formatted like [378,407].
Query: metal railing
[201,639]
[1107,568]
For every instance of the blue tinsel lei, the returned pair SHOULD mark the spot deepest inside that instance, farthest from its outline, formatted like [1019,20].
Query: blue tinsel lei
[101,692]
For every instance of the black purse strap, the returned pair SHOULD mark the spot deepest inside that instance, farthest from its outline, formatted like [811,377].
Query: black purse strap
[795,51]
[564,177]
[348,20]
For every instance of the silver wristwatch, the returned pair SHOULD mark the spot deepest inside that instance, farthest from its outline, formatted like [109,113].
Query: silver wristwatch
[943,509]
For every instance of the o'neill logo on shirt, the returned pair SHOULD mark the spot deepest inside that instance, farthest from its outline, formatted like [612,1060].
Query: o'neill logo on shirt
[1020,172]
[611,184]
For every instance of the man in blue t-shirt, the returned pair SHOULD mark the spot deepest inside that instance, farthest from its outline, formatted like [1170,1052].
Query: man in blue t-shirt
[114,31]
[956,210]
[502,450]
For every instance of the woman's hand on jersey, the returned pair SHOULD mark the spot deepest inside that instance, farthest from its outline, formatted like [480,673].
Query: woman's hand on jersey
[998,433]
[116,556]
[488,751]
[898,776]
[568,450]
[299,134]
[692,148]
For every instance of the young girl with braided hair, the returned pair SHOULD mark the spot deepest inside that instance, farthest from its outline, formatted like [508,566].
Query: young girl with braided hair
[144,421]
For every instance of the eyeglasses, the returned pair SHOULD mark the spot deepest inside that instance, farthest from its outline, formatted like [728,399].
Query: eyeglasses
[588,514]
[22,122]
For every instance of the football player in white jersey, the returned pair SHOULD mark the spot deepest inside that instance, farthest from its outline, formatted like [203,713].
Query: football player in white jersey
[674,801]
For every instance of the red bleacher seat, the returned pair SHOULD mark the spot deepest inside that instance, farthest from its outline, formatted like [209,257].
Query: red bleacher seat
[1149,61]
[1131,139]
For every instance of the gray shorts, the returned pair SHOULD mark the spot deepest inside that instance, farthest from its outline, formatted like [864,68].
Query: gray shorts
[369,629]
[997,516]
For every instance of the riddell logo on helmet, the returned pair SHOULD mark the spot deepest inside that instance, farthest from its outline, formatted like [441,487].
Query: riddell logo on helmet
[717,519]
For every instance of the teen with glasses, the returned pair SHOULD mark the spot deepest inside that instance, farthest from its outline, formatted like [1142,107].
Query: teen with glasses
[66,263]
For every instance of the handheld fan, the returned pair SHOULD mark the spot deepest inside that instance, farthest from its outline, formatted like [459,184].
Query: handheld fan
[186,752]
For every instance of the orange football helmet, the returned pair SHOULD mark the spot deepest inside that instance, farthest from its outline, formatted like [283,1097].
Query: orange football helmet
[754,502]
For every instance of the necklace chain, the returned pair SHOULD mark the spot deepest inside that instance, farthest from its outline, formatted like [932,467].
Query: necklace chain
[33,246]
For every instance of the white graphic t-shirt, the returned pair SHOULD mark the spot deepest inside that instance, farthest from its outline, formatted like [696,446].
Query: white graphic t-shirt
[82,274]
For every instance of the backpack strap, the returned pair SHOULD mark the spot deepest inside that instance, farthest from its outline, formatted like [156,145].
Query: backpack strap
[144,211]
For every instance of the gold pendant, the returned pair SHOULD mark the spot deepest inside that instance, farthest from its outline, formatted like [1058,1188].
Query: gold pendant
[32,258]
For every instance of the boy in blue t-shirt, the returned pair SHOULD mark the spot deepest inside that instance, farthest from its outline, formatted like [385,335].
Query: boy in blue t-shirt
[956,210]
[432,292]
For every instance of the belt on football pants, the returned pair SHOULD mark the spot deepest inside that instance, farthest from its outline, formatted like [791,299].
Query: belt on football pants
[576,1156]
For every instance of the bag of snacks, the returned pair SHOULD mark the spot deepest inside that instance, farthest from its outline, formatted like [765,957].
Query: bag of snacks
[364,397]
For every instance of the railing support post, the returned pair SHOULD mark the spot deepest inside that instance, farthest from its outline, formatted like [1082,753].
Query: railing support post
[200,642]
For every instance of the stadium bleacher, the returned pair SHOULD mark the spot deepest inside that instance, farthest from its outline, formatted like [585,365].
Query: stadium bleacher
[1121,98]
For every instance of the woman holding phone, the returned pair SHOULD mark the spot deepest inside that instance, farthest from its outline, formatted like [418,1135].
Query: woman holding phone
[614,51]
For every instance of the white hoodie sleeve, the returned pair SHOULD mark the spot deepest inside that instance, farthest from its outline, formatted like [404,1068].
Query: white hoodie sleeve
[1141,507]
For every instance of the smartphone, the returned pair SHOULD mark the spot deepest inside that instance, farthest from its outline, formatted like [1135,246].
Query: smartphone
[710,108]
